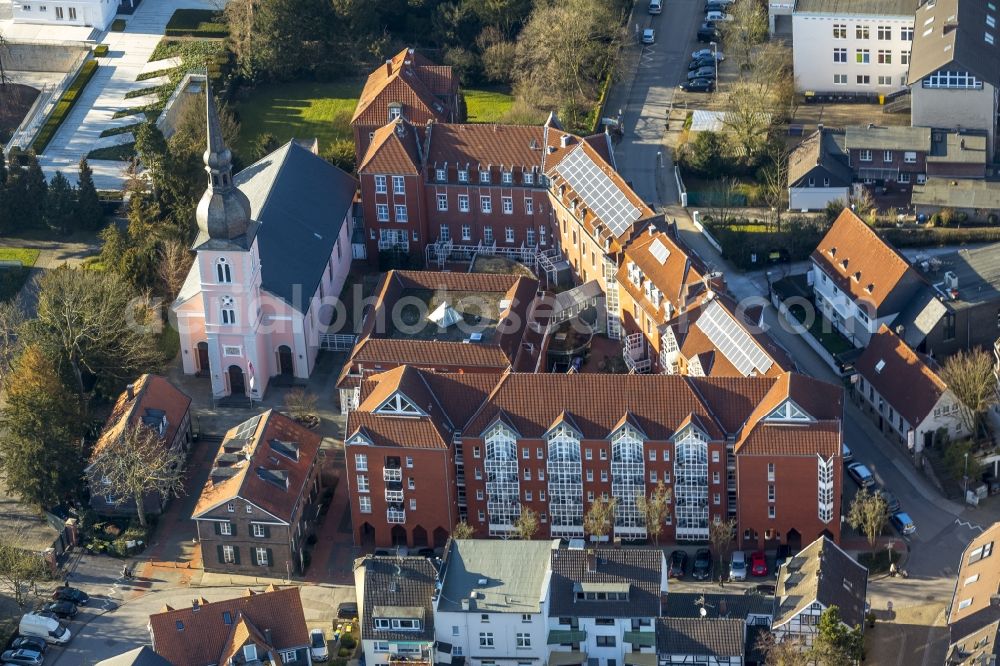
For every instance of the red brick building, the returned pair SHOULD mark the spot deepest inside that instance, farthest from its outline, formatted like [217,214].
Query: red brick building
[763,450]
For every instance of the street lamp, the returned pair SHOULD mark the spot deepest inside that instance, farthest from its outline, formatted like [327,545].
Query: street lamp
[715,61]
[965,475]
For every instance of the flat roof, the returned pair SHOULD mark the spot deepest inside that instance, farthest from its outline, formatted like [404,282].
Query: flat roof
[856,7]
[888,138]
[977,270]
[496,576]
[958,148]
[957,193]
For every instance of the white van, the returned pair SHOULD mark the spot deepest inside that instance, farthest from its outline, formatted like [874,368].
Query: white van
[39,626]
[655,6]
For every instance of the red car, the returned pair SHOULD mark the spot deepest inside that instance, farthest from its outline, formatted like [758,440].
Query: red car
[758,563]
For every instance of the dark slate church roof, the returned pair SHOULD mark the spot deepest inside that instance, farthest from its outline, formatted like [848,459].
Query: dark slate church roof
[300,201]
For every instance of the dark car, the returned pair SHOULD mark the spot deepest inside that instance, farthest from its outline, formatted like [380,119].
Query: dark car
[22,657]
[709,34]
[62,609]
[861,475]
[78,597]
[698,63]
[782,556]
[703,73]
[29,643]
[702,564]
[763,589]
[678,564]
[347,610]
[426,552]
[698,85]
[891,501]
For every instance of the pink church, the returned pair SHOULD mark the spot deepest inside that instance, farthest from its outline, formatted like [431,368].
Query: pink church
[274,244]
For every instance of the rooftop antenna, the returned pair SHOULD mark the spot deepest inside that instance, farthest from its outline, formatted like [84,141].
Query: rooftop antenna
[703,606]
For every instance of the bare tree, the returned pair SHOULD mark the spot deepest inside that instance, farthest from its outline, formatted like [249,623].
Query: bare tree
[463,530]
[723,193]
[300,404]
[175,262]
[138,463]
[526,525]
[655,509]
[600,520]
[746,29]
[788,652]
[774,182]
[11,318]
[868,514]
[19,569]
[969,376]
[721,535]
[761,95]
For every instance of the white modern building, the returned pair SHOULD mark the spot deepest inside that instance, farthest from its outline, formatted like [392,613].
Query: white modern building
[94,13]
[852,46]
[493,603]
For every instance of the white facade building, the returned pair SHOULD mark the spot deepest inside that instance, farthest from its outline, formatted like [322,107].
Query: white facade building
[94,13]
[852,47]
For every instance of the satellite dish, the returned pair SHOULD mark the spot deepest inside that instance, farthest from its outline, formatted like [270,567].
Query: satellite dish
[702,611]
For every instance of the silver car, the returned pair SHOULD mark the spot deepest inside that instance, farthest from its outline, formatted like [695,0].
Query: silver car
[738,566]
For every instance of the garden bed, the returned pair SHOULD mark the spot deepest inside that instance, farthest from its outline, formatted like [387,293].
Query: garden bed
[64,106]
[500,265]
[123,152]
[879,561]
[197,23]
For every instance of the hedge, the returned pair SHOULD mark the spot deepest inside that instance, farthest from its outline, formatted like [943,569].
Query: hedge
[118,25]
[930,236]
[751,246]
[101,50]
[63,106]
[196,23]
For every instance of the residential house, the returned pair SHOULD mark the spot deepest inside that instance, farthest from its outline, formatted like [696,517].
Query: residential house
[140,656]
[493,604]
[974,614]
[407,86]
[957,154]
[818,171]
[955,68]
[273,250]
[716,642]
[97,14]
[426,450]
[904,392]
[395,597]
[151,401]
[890,158]
[497,324]
[820,576]
[267,628]
[604,604]
[859,281]
[859,48]
[755,610]
[259,504]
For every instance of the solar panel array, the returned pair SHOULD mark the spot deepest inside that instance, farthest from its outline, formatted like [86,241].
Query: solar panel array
[598,191]
[659,251]
[732,340]
[247,428]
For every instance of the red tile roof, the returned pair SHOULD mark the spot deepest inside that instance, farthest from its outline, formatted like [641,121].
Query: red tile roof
[395,148]
[263,456]
[679,277]
[487,145]
[904,379]
[767,439]
[410,79]
[189,637]
[149,392]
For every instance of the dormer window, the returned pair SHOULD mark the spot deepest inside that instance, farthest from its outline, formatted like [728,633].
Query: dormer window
[398,618]
[528,178]
[857,276]
[223,271]
[463,175]
[832,251]
[395,111]
[441,175]
[507,177]
[844,263]
[600,592]
[484,175]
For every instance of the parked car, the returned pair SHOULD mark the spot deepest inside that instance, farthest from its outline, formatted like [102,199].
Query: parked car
[318,649]
[655,6]
[45,627]
[22,657]
[702,73]
[758,563]
[861,475]
[846,453]
[61,609]
[783,555]
[738,566]
[707,53]
[78,597]
[891,501]
[678,564]
[763,589]
[724,3]
[29,643]
[698,85]
[648,36]
[903,523]
[347,610]
[707,33]
[702,564]
[426,552]
[698,63]
[717,17]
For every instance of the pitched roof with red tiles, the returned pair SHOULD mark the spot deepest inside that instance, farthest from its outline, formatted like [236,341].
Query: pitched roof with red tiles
[395,148]
[900,376]
[266,460]
[410,79]
[204,635]
[486,145]
[679,276]
[768,439]
[863,265]
[149,392]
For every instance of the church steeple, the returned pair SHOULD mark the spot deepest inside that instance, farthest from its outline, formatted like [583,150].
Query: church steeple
[223,213]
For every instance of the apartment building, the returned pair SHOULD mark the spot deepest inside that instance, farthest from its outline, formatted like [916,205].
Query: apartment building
[974,615]
[852,46]
[818,171]
[93,13]
[485,450]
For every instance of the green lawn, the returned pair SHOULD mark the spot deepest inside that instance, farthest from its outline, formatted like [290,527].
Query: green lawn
[823,331]
[119,153]
[301,109]
[12,277]
[487,105]
[26,256]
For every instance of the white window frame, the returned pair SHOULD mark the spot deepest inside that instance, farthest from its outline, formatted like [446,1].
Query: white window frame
[442,201]
[382,212]
[226,528]
[486,203]
[260,556]
[258,530]
[380,184]
[398,185]
[463,203]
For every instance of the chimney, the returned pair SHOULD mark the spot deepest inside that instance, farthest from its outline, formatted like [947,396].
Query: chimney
[465,604]
[995,600]
[130,391]
[564,140]
[723,608]
[650,231]
[962,144]
[267,637]
[591,560]
[194,605]
[819,127]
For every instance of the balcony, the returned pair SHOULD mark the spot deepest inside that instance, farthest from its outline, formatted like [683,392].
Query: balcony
[393,495]
[395,516]
[389,474]
[566,636]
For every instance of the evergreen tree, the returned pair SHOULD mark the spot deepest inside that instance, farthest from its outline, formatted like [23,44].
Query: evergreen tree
[5,217]
[3,169]
[27,190]
[40,454]
[60,205]
[90,213]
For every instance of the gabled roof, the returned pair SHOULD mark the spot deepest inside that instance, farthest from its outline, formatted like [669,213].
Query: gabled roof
[863,265]
[668,265]
[716,637]
[823,573]
[398,582]
[900,376]
[141,656]
[151,395]
[265,460]
[823,148]
[478,144]
[952,34]
[410,79]
[975,606]
[301,202]
[198,636]
[727,606]
[516,574]
[639,570]
[395,148]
